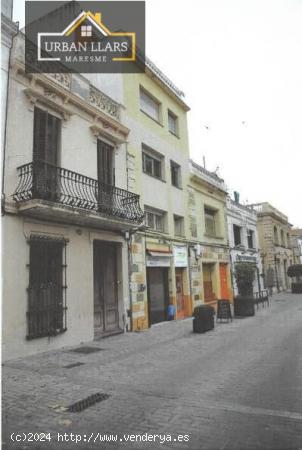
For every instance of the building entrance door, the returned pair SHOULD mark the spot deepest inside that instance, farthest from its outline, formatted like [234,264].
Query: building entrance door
[224,289]
[157,281]
[106,319]
[180,301]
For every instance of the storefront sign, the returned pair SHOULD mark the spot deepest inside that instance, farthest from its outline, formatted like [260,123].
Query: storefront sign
[158,261]
[180,256]
[246,258]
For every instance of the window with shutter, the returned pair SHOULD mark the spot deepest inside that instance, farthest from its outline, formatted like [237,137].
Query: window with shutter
[105,163]
[237,235]
[47,130]
[250,239]
[155,219]
[149,105]
[210,221]
[172,123]
[178,225]
[152,162]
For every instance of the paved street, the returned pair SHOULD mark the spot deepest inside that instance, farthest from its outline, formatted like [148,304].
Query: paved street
[238,387]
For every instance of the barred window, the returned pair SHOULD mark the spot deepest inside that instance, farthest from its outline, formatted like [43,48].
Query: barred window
[46,315]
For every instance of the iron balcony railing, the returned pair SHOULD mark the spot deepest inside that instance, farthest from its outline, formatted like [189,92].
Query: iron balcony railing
[44,181]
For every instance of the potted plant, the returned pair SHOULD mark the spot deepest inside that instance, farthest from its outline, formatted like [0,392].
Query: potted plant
[244,304]
[295,271]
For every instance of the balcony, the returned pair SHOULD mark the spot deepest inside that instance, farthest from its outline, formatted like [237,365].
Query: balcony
[267,209]
[74,197]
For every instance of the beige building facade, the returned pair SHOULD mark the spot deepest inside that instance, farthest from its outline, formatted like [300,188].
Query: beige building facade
[209,249]
[275,243]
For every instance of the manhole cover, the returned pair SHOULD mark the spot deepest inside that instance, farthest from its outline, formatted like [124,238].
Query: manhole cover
[86,350]
[87,402]
[76,364]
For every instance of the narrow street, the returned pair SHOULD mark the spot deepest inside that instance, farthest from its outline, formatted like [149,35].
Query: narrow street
[238,387]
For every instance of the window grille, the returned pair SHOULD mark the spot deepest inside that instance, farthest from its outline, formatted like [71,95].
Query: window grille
[46,314]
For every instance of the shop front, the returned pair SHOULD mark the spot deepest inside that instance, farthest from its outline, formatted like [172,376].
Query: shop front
[183,298]
[158,265]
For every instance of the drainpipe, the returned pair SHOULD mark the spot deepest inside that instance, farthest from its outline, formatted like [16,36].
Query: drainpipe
[129,312]
[190,276]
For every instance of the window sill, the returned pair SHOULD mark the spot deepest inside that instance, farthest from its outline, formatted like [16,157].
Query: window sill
[174,134]
[213,236]
[177,187]
[152,118]
[152,176]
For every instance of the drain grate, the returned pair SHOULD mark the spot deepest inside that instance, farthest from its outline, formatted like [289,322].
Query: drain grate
[87,402]
[86,350]
[71,366]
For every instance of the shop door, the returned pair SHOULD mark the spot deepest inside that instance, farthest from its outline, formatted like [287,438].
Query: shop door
[209,295]
[157,279]
[105,288]
[180,301]
[224,290]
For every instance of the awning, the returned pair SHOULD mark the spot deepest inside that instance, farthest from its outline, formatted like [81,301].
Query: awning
[164,254]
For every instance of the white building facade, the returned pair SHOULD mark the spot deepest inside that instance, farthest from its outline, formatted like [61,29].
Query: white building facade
[8,31]
[243,240]
[67,212]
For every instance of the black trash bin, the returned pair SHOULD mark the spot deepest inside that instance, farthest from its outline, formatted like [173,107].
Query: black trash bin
[203,318]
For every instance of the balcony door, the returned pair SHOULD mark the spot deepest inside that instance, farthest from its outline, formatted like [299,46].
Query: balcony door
[47,131]
[105,161]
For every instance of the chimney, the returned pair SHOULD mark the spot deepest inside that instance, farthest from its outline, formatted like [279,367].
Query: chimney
[236,196]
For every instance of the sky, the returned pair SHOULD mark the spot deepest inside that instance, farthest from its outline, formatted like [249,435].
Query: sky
[239,64]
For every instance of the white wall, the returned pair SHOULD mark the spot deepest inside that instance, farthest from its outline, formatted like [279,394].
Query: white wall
[79,293]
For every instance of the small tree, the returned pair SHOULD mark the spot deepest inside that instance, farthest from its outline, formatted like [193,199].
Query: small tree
[295,271]
[245,276]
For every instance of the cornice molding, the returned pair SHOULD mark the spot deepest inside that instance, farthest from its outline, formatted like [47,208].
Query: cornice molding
[41,87]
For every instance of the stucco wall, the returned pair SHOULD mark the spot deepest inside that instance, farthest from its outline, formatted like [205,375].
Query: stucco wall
[79,294]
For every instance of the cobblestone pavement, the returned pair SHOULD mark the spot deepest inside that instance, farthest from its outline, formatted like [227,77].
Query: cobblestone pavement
[237,387]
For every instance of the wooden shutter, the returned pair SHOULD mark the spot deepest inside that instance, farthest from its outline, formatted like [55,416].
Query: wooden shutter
[40,121]
[47,130]
[105,163]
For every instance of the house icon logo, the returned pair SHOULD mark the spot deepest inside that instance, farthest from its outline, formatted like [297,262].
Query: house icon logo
[86,37]
[90,24]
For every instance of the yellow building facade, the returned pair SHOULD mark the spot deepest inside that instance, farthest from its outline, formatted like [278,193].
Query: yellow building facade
[158,169]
